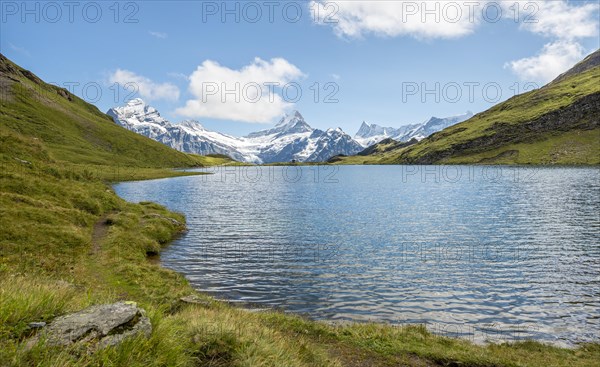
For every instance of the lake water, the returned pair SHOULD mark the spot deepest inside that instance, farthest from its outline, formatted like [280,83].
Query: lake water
[485,253]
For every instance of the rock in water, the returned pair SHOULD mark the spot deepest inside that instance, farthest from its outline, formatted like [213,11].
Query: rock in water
[102,325]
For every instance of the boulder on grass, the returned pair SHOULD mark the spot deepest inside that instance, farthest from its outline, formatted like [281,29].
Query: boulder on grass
[100,326]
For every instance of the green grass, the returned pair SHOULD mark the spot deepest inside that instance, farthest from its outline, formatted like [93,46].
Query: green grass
[570,148]
[67,242]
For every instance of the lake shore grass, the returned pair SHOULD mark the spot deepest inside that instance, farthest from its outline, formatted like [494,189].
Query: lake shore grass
[67,242]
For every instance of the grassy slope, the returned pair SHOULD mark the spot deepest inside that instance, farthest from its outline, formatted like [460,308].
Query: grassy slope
[46,124]
[499,136]
[67,241]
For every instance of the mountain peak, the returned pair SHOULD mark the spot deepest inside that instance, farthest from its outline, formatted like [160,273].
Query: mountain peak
[135,112]
[136,103]
[297,115]
[365,130]
[288,118]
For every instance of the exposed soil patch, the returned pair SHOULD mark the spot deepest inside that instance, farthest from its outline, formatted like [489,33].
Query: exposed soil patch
[99,233]
[354,357]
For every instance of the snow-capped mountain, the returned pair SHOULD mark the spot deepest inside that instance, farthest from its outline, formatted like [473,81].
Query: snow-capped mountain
[291,139]
[188,136]
[370,134]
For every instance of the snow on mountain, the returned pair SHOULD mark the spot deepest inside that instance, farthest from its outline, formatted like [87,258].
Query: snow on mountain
[434,125]
[291,139]
[189,136]
[370,134]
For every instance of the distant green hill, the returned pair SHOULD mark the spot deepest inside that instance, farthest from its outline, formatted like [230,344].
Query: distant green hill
[40,122]
[556,124]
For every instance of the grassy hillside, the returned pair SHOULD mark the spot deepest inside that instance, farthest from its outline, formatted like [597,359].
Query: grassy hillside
[41,123]
[556,124]
[67,242]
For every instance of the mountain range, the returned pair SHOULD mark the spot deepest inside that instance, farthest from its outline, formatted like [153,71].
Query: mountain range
[370,134]
[292,139]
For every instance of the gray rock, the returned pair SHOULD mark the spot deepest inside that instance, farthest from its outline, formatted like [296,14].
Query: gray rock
[36,325]
[175,222]
[195,300]
[256,310]
[23,161]
[103,325]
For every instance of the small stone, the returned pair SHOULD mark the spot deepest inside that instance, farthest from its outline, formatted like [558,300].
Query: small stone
[175,222]
[36,325]
[23,161]
[195,300]
[256,310]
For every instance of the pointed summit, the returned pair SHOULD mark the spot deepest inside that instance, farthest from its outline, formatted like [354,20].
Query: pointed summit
[291,123]
[297,115]
[288,118]
[136,112]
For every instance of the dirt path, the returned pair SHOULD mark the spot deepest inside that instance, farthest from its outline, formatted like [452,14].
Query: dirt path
[351,356]
[98,233]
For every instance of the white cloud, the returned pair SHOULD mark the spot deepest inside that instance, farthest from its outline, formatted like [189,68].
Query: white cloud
[241,95]
[422,20]
[564,23]
[454,19]
[160,35]
[560,19]
[554,59]
[146,88]
[335,76]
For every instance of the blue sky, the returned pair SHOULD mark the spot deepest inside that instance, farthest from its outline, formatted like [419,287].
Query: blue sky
[372,56]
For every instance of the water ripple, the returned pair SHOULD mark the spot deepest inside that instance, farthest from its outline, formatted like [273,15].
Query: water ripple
[488,257]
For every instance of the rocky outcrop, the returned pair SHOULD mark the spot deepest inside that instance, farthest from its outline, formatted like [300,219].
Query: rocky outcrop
[98,326]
